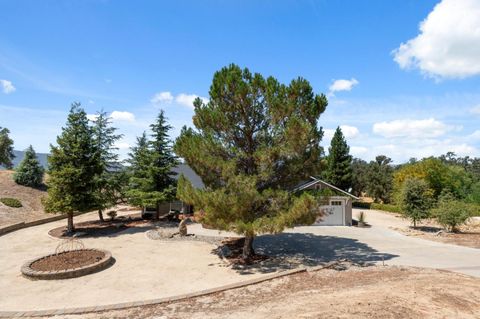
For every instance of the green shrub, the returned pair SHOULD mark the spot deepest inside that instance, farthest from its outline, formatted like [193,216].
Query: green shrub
[386,207]
[363,205]
[11,202]
[29,172]
[451,213]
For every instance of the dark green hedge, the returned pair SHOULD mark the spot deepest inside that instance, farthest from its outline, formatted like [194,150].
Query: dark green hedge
[11,202]
[384,207]
[361,205]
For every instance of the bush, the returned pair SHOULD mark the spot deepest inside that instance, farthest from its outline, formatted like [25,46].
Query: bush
[363,205]
[11,202]
[416,199]
[387,207]
[112,214]
[451,213]
[29,172]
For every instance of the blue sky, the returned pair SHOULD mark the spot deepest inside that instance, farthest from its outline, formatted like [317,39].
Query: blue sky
[402,76]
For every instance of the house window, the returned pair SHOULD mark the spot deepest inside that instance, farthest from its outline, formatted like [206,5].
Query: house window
[336,203]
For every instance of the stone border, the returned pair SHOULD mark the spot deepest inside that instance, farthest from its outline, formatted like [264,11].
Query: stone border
[124,305]
[102,264]
[21,225]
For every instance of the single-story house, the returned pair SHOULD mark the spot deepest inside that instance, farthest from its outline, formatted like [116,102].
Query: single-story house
[337,212]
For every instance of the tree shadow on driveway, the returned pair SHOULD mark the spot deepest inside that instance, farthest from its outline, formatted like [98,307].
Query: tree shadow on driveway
[292,250]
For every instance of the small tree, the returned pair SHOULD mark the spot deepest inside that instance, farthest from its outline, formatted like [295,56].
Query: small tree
[73,166]
[339,161]
[451,213]
[108,188]
[255,140]
[152,162]
[6,148]
[379,176]
[29,172]
[416,200]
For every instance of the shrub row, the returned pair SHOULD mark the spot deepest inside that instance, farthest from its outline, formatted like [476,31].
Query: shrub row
[384,207]
[11,202]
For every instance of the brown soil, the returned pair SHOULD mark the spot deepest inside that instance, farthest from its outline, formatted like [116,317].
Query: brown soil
[235,245]
[68,260]
[96,228]
[371,292]
[30,197]
[468,236]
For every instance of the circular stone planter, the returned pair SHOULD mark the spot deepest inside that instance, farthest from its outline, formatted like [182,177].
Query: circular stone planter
[101,264]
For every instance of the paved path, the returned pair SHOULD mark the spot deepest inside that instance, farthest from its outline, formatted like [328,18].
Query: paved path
[147,269]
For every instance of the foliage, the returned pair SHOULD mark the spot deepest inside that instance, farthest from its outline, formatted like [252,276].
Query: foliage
[6,148]
[151,176]
[29,172]
[73,166]
[380,176]
[439,177]
[386,207]
[339,169]
[451,213]
[360,178]
[416,199]
[364,205]
[11,202]
[255,139]
[110,180]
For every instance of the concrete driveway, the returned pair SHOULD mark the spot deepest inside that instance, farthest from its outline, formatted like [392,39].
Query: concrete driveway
[378,244]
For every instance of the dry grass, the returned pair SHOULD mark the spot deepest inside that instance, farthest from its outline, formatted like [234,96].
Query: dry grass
[31,209]
[372,292]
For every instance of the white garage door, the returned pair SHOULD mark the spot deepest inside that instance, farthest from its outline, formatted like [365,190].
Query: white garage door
[334,214]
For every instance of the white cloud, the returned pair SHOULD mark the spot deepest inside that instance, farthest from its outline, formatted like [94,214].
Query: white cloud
[187,99]
[475,110]
[475,135]
[427,128]
[7,86]
[162,97]
[122,116]
[448,45]
[349,131]
[122,145]
[358,150]
[342,85]
[92,117]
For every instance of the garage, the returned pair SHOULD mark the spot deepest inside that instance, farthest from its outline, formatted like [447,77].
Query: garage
[337,211]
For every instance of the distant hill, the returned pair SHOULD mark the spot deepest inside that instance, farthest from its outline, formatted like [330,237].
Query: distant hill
[42,158]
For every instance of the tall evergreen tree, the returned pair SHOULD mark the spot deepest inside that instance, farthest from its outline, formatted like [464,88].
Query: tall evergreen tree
[254,141]
[109,181]
[6,148]
[339,162]
[29,172]
[152,162]
[73,167]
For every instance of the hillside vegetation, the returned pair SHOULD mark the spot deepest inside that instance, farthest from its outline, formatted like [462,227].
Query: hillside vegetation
[29,197]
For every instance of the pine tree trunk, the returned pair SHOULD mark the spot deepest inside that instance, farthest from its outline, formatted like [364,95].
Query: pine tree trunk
[248,251]
[70,227]
[414,223]
[157,213]
[100,215]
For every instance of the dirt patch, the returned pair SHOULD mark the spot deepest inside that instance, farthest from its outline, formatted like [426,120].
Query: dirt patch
[96,228]
[372,292]
[68,260]
[31,199]
[468,236]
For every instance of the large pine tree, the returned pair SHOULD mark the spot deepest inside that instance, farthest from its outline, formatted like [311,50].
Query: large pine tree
[73,166]
[6,148]
[339,162]
[29,172]
[108,187]
[152,181]
[255,140]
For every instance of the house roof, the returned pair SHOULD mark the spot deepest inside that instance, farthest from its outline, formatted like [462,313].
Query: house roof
[189,174]
[314,180]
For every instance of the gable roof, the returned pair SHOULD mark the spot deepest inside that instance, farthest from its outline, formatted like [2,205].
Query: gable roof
[313,181]
[189,174]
